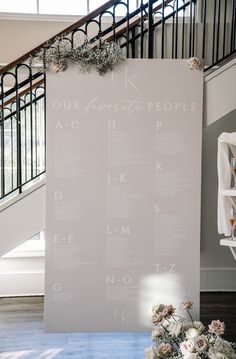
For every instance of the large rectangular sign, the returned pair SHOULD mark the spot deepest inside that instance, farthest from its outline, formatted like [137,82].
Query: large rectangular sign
[123,194]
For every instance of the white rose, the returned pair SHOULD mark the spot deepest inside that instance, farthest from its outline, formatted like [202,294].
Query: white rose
[199,326]
[57,66]
[149,353]
[175,328]
[187,325]
[192,333]
[222,349]
[157,333]
[187,347]
[191,356]
[217,355]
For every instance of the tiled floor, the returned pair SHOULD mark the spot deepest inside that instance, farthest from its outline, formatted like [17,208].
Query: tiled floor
[22,336]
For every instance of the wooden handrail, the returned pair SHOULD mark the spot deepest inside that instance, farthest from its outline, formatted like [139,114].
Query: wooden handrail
[22,93]
[64,32]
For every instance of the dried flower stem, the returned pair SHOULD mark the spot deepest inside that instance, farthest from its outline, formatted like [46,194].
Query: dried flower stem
[190,317]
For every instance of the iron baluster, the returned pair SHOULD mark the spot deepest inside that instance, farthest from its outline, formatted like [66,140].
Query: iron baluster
[218,30]
[194,26]
[127,30]
[44,119]
[173,33]
[25,122]
[133,42]
[141,29]
[2,145]
[176,29]
[190,27]
[12,157]
[163,30]
[232,26]
[36,137]
[150,29]
[224,30]
[234,32]
[18,139]
[214,35]
[204,28]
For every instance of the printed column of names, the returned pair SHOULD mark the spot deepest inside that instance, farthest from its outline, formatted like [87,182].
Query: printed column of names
[124,198]
[171,183]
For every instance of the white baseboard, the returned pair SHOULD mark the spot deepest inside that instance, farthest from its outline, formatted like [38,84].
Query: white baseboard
[31,283]
[218,279]
[21,284]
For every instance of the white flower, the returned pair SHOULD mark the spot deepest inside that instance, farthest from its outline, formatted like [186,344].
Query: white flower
[187,347]
[157,333]
[221,350]
[191,356]
[149,353]
[57,66]
[217,355]
[175,328]
[187,325]
[88,57]
[192,333]
[199,326]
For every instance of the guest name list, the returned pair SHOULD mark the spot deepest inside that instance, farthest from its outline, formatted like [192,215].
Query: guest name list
[123,194]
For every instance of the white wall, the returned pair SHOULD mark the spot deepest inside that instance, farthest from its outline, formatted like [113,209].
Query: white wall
[218,268]
[31,31]
[21,276]
[22,218]
[21,36]
[219,96]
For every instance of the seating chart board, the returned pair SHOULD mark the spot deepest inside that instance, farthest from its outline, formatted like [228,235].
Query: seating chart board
[123,194]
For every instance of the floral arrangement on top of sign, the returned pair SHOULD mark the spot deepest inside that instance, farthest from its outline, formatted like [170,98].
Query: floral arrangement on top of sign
[175,337]
[86,56]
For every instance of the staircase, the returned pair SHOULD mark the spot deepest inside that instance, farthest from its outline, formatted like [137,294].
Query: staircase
[156,29]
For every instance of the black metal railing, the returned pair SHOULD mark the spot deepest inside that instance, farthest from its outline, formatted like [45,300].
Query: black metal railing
[219,27]
[156,29]
[22,139]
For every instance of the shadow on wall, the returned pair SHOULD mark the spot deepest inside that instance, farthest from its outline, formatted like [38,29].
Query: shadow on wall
[212,254]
